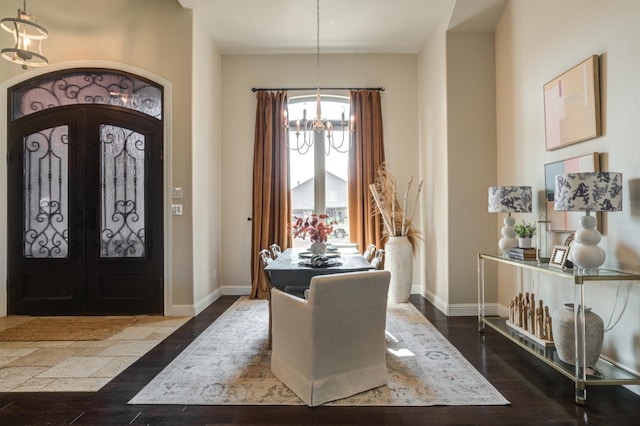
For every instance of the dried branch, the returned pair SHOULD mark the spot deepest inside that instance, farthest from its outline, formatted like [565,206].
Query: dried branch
[403,230]
[378,201]
[393,209]
[394,215]
[415,204]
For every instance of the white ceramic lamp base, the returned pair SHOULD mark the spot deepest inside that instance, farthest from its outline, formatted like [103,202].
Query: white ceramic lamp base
[586,254]
[508,239]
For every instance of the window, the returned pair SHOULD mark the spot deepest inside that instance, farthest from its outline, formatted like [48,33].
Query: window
[318,175]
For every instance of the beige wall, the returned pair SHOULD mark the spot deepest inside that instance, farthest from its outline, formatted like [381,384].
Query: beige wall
[432,72]
[535,42]
[397,73]
[207,162]
[472,160]
[457,137]
[147,34]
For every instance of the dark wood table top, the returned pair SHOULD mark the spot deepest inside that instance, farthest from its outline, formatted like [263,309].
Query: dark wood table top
[289,268]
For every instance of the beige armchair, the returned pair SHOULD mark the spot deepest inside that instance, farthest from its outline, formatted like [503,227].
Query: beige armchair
[332,345]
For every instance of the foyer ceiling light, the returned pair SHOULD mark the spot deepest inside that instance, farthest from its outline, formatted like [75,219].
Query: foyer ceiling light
[27,35]
[325,126]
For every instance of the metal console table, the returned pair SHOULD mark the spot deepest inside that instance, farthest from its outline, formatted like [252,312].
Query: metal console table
[605,372]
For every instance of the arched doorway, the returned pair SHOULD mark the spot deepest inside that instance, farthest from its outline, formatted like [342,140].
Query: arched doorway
[85,194]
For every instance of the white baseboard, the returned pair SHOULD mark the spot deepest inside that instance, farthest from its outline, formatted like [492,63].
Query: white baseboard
[181,311]
[460,309]
[203,303]
[440,304]
[193,310]
[236,290]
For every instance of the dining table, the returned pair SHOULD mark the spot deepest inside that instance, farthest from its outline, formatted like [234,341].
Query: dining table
[293,266]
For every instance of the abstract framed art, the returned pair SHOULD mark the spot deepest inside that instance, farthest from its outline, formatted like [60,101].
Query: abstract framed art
[572,105]
[565,221]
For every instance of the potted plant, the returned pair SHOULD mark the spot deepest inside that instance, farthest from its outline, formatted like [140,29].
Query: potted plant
[316,228]
[525,232]
[402,237]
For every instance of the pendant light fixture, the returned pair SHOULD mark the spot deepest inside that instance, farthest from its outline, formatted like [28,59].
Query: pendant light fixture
[319,125]
[28,36]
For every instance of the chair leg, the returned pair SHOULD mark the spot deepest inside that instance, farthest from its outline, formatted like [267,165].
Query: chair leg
[269,340]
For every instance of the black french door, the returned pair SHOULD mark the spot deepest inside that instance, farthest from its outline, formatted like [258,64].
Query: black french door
[85,212]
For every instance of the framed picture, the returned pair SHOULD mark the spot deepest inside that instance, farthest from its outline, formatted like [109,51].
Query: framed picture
[572,105]
[562,221]
[559,257]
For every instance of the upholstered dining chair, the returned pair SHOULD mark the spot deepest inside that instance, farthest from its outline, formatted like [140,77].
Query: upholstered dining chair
[265,259]
[331,345]
[378,259]
[370,252]
[275,250]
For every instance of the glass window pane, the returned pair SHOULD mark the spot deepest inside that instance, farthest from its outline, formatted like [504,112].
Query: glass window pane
[303,161]
[46,170]
[336,194]
[95,87]
[122,177]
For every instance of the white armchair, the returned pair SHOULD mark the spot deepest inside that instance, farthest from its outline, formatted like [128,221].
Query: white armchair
[332,345]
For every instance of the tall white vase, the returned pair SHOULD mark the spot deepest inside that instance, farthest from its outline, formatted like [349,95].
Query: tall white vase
[399,261]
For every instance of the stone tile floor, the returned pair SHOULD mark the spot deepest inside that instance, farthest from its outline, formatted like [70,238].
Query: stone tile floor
[77,366]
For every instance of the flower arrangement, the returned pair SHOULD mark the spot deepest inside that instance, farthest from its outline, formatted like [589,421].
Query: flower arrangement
[395,217]
[525,230]
[313,226]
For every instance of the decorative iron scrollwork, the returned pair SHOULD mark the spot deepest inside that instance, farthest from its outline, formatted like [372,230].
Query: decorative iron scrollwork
[122,232]
[99,87]
[46,228]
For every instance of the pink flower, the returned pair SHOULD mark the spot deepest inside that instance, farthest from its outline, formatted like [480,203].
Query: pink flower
[312,226]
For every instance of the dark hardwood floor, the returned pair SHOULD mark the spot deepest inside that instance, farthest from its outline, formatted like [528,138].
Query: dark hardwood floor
[538,394]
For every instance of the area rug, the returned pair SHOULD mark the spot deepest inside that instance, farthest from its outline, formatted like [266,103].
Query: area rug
[229,364]
[44,329]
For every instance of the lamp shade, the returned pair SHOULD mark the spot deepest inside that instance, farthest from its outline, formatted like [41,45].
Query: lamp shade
[510,199]
[591,191]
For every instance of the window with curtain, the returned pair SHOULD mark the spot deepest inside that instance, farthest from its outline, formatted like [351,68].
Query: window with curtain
[318,173]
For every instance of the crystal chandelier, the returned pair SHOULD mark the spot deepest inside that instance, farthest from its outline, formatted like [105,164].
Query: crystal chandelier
[26,34]
[319,125]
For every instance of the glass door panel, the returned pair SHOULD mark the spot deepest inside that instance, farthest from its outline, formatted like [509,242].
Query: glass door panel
[122,182]
[45,193]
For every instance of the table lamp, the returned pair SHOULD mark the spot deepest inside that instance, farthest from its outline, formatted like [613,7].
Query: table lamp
[588,192]
[509,199]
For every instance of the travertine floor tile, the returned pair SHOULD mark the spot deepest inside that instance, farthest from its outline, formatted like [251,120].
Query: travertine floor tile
[133,333]
[16,351]
[84,384]
[44,357]
[33,385]
[76,367]
[11,377]
[84,366]
[115,367]
[129,348]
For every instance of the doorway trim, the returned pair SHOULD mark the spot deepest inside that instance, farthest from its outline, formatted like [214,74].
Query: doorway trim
[166,166]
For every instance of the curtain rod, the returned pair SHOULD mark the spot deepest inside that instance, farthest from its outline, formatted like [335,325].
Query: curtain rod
[262,89]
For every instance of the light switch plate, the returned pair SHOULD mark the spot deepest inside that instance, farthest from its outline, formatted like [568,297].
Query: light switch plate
[176,209]
[176,193]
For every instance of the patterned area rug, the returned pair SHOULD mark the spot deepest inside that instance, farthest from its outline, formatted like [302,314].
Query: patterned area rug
[229,364]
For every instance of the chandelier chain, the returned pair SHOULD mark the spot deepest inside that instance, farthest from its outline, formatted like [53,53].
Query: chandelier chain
[320,126]
[318,44]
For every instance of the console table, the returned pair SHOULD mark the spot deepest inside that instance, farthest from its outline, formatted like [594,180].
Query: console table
[605,371]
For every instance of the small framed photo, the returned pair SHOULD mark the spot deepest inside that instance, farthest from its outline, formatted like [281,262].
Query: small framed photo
[559,257]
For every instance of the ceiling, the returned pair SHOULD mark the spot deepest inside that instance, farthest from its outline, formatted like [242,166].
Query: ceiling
[346,26]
